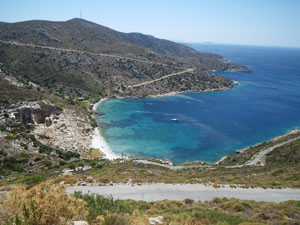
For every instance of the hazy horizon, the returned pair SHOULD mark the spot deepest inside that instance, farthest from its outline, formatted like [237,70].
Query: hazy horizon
[259,23]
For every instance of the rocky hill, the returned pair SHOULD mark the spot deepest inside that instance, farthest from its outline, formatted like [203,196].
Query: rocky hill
[51,72]
[81,58]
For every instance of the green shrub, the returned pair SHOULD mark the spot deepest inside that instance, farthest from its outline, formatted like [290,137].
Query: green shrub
[37,159]
[217,217]
[97,205]
[93,163]
[62,162]
[33,180]
[47,163]
[3,153]
[72,166]
[2,128]
[10,138]
[277,172]
[25,146]
[67,155]
[238,207]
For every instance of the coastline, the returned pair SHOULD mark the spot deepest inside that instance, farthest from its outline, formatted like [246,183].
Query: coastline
[98,141]
[95,106]
[174,93]
[292,131]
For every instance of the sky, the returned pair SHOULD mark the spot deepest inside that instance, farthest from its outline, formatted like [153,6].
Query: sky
[245,22]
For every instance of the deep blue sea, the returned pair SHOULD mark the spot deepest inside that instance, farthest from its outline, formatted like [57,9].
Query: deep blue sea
[265,104]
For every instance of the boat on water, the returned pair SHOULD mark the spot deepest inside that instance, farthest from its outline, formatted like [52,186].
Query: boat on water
[175,120]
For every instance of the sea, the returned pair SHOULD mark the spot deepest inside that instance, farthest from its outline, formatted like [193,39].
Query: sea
[265,104]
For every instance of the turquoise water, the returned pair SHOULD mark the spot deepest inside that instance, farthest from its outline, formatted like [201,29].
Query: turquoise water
[212,124]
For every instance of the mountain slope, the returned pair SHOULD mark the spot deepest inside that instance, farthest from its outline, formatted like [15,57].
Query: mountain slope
[81,58]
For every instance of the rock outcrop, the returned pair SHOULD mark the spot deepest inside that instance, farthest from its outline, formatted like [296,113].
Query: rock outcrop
[67,131]
[36,112]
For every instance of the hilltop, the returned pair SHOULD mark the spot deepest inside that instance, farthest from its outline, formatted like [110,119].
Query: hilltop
[81,58]
[51,73]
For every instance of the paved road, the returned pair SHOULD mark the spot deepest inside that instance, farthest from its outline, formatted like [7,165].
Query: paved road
[164,77]
[197,192]
[171,167]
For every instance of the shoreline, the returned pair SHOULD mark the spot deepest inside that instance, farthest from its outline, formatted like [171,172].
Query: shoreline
[174,93]
[98,141]
[292,131]
[100,144]
[95,106]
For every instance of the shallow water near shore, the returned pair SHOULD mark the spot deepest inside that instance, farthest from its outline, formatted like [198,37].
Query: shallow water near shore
[265,104]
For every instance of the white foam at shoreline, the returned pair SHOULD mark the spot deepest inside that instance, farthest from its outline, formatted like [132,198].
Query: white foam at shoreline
[95,106]
[99,143]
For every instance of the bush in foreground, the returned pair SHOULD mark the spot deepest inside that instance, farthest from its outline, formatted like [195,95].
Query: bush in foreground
[47,203]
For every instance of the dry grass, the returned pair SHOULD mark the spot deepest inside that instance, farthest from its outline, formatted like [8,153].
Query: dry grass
[95,153]
[48,201]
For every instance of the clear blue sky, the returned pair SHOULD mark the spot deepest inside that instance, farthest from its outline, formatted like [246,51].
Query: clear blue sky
[252,22]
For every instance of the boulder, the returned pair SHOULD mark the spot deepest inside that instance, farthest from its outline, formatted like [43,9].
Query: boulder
[156,220]
[82,222]
[48,121]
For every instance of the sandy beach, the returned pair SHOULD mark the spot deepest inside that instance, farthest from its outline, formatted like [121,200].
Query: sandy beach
[95,106]
[98,141]
[197,192]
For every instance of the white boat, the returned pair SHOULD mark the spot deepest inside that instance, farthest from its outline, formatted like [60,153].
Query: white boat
[175,120]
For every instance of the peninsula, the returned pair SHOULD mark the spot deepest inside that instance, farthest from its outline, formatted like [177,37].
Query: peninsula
[51,76]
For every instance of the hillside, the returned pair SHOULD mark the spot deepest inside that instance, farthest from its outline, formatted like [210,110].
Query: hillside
[81,58]
[51,73]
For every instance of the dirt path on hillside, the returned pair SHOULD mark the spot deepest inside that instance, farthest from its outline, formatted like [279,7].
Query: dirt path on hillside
[164,77]
[86,52]
[258,157]
[106,55]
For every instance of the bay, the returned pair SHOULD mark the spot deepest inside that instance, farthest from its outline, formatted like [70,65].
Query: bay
[265,104]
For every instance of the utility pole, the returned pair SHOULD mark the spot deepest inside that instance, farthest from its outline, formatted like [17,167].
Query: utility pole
[80,14]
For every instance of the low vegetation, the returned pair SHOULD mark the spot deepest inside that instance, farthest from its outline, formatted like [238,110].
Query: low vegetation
[245,155]
[48,203]
[280,170]
[31,170]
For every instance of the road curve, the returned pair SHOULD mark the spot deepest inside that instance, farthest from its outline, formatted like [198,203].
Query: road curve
[252,162]
[261,154]
[197,192]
